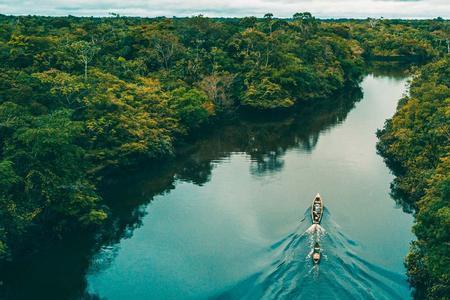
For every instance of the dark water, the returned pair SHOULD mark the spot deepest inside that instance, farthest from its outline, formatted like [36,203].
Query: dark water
[229,220]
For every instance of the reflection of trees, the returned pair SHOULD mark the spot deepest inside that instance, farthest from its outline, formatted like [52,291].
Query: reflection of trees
[401,198]
[266,139]
[396,70]
[60,271]
[267,142]
[267,163]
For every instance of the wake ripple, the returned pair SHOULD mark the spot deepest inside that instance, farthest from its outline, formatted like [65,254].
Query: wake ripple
[341,274]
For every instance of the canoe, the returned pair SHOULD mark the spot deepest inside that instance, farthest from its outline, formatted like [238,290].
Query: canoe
[316,253]
[317,209]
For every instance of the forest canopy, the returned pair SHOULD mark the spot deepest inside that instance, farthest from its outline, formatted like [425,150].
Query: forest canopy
[416,144]
[83,97]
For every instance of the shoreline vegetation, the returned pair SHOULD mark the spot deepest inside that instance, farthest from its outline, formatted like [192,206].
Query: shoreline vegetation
[416,146]
[82,98]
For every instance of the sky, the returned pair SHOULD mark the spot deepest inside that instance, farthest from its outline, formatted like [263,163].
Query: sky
[231,8]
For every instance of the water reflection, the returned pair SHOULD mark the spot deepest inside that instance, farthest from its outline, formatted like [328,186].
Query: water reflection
[266,139]
[397,193]
[396,70]
[59,271]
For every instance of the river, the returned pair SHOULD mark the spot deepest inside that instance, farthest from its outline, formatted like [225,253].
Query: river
[230,218]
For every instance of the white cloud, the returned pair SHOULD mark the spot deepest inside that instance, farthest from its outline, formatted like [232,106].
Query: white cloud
[238,8]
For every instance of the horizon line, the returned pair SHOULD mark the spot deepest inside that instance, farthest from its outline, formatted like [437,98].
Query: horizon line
[112,16]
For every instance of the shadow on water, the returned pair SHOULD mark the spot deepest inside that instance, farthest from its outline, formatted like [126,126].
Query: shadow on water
[58,269]
[394,70]
[397,70]
[341,273]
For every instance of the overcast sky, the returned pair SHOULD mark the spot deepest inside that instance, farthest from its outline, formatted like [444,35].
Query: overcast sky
[235,8]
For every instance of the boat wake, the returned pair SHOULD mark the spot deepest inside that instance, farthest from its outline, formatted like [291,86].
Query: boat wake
[341,274]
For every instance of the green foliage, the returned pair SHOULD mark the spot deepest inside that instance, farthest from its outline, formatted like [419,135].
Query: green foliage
[42,173]
[416,144]
[62,86]
[399,39]
[7,176]
[266,95]
[192,106]
[82,97]
[127,121]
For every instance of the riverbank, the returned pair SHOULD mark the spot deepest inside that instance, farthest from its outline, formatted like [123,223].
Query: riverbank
[416,146]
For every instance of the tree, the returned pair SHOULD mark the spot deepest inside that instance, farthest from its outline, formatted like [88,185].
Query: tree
[85,51]
[265,94]
[63,86]
[305,22]
[373,22]
[192,106]
[269,20]
[126,122]
[253,46]
[216,88]
[165,44]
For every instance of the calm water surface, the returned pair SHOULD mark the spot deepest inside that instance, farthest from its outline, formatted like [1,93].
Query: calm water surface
[229,219]
[234,223]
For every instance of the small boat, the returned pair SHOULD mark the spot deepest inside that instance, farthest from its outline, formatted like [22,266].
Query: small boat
[317,209]
[316,253]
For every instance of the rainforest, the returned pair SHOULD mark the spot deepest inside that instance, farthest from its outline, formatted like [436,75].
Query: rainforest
[85,102]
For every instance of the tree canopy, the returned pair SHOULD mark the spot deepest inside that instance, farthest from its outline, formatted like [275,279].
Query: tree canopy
[83,97]
[416,144]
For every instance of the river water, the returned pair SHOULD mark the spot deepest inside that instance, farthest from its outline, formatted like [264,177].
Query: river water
[236,225]
[230,218]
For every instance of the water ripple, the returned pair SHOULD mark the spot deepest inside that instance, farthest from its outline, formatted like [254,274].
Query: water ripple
[341,274]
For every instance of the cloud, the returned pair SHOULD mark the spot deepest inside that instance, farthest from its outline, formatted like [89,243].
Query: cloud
[233,8]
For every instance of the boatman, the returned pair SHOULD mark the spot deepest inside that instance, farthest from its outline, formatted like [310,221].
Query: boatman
[316,212]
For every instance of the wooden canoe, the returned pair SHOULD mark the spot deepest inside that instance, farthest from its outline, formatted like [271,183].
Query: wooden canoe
[317,209]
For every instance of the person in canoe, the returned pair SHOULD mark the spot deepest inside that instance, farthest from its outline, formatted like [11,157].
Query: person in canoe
[317,209]
[316,253]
